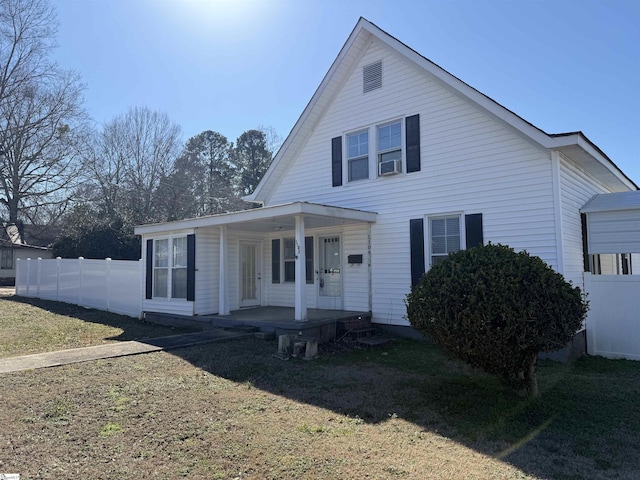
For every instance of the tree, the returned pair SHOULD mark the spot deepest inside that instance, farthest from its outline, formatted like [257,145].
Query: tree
[40,112]
[89,235]
[127,161]
[251,160]
[202,179]
[496,310]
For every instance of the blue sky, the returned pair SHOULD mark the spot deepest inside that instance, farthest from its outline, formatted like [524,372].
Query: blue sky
[232,65]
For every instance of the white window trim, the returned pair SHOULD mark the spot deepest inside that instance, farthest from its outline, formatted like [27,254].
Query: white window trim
[403,147]
[169,297]
[373,153]
[463,233]
[346,154]
[285,260]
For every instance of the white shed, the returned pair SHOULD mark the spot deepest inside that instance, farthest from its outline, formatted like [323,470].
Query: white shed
[613,223]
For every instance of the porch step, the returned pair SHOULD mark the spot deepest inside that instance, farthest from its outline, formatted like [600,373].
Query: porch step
[374,341]
[346,325]
[363,332]
[243,328]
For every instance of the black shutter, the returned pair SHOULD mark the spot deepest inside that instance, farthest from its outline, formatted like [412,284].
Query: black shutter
[275,260]
[308,256]
[336,161]
[191,267]
[149,270]
[586,265]
[412,132]
[416,235]
[473,230]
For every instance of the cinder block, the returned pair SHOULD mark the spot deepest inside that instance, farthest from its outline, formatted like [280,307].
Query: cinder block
[284,344]
[311,350]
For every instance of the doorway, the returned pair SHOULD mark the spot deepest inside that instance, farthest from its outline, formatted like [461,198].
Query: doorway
[330,273]
[250,277]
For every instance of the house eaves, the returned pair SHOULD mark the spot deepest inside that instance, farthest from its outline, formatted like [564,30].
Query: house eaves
[609,202]
[574,145]
[266,219]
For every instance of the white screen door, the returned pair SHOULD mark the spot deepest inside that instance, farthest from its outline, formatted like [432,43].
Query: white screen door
[330,273]
[249,274]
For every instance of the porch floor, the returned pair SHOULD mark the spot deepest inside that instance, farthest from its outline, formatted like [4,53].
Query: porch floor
[285,315]
[320,323]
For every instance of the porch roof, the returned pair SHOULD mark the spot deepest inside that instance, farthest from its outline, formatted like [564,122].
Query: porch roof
[269,219]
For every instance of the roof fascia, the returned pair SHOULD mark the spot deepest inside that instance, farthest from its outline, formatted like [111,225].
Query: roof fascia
[580,139]
[288,209]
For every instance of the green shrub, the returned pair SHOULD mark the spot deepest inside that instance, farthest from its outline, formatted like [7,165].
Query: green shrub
[496,310]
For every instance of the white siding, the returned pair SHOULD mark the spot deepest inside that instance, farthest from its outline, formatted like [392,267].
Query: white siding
[576,189]
[283,294]
[614,231]
[470,164]
[165,305]
[356,276]
[207,272]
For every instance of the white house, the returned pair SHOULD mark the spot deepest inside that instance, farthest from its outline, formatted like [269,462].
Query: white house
[393,164]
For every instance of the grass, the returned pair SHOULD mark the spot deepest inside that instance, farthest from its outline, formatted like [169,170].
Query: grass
[232,410]
[35,326]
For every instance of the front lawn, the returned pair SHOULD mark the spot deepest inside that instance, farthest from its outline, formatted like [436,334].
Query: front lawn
[30,325]
[232,410]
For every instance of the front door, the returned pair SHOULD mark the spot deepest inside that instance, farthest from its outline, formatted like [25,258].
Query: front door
[330,273]
[249,274]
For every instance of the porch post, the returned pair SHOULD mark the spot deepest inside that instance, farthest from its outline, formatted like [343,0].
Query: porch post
[223,297]
[301,278]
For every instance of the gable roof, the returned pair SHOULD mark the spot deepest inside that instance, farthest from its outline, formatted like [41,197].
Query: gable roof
[607,202]
[574,144]
[27,236]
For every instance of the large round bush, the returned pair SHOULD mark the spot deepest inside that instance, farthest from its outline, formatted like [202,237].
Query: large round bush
[497,309]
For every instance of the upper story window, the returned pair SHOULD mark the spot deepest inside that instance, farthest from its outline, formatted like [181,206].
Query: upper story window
[358,155]
[390,148]
[396,149]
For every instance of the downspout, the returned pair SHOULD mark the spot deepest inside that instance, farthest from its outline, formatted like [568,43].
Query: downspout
[369,268]
[557,208]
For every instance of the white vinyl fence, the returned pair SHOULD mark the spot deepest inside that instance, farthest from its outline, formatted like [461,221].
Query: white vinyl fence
[613,321]
[111,285]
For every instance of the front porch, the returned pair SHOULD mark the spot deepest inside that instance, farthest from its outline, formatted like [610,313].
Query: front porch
[306,256]
[322,324]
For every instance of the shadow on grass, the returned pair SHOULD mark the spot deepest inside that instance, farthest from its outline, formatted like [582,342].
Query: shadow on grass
[585,424]
[132,328]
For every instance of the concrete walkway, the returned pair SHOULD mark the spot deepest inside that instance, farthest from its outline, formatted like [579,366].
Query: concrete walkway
[112,350]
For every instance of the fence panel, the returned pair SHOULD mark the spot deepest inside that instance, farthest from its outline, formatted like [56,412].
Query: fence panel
[125,287]
[69,281]
[48,279]
[613,321]
[94,284]
[111,285]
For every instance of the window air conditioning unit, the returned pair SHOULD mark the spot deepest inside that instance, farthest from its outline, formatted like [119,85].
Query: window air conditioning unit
[390,167]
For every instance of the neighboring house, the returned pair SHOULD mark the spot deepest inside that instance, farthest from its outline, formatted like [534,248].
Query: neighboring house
[22,241]
[393,164]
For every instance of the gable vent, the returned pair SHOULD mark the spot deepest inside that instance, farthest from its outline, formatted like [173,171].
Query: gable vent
[372,77]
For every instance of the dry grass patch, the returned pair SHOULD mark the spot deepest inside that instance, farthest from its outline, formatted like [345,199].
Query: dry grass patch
[35,326]
[231,410]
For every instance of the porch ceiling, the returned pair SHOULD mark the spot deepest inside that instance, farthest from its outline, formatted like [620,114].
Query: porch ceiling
[269,219]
